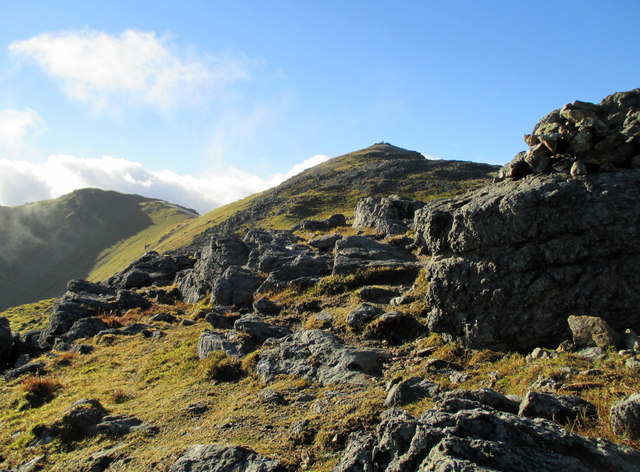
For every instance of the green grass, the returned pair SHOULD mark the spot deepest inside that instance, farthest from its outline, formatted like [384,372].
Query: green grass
[30,316]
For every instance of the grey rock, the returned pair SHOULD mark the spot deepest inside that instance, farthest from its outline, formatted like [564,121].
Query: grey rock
[487,397]
[80,419]
[83,328]
[265,306]
[326,242]
[387,215]
[591,353]
[31,465]
[320,357]
[625,417]
[478,438]
[216,256]
[222,458]
[150,269]
[555,407]
[630,340]
[82,349]
[354,253]
[411,390]
[128,299]
[197,408]
[164,317]
[589,331]
[120,425]
[33,368]
[210,341]
[513,260]
[260,331]
[236,287]
[362,315]
[271,396]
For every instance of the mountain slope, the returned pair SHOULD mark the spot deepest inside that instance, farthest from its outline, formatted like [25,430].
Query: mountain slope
[336,186]
[47,243]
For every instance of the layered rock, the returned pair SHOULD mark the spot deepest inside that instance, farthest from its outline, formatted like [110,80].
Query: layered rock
[465,435]
[512,261]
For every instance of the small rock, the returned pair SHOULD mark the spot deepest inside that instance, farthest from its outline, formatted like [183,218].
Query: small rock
[555,407]
[591,353]
[271,396]
[362,315]
[633,363]
[164,317]
[197,408]
[408,391]
[589,331]
[222,458]
[625,417]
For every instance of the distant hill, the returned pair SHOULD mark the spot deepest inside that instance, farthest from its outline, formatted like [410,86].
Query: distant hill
[45,244]
[336,186]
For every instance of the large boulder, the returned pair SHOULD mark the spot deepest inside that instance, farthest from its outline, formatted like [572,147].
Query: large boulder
[236,287]
[463,435]
[512,261]
[320,357]
[387,215]
[222,458]
[215,257]
[625,417]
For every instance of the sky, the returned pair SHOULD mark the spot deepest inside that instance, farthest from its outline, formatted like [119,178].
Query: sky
[204,102]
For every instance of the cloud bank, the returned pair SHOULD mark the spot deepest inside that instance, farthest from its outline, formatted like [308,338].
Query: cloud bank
[15,125]
[135,67]
[23,181]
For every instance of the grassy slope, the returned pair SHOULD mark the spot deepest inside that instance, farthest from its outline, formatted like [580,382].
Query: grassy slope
[336,186]
[45,244]
[157,379]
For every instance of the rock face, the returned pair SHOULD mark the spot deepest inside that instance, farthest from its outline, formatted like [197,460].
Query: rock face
[355,253]
[583,138]
[150,269]
[463,435]
[512,261]
[321,357]
[220,458]
[387,215]
[6,343]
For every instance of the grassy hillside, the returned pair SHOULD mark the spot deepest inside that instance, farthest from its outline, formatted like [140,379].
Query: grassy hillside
[45,244]
[336,186]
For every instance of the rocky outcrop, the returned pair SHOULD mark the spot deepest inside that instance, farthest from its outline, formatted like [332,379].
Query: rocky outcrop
[387,215]
[320,357]
[221,458]
[464,435]
[6,344]
[333,222]
[512,261]
[583,138]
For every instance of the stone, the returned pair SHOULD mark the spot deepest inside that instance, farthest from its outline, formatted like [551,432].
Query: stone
[120,425]
[150,269]
[633,363]
[320,357]
[128,299]
[589,331]
[591,353]
[362,315]
[355,253]
[210,341]
[403,392]
[555,407]
[265,306]
[83,328]
[512,261]
[326,242]
[267,395]
[631,340]
[387,215]
[259,331]
[80,418]
[625,417]
[215,257]
[164,318]
[222,458]
[33,368]
[477,438]
[538,158]
[487,397]
[236,287]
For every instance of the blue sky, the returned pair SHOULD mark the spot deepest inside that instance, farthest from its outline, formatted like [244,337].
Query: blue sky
[204,102]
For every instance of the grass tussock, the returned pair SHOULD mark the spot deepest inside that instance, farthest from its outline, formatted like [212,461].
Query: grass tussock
[40,389]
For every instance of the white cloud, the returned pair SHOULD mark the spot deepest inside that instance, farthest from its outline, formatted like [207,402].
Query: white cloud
[136,66]
[15,125]
[22,181]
